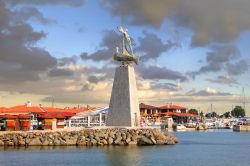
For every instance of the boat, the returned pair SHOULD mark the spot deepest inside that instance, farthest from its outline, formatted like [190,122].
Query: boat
[179,127]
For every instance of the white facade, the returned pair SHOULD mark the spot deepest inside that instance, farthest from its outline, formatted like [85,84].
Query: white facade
[88,119]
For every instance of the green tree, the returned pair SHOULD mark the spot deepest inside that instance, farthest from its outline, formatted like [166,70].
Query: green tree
[227,114]
[214,115]
[238,111]
[201,114]
[193,111]
[208,115]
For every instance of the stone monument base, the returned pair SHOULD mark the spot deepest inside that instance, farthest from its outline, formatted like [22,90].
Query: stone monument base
[124,105]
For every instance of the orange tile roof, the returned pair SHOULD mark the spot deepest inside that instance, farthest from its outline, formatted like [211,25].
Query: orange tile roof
[37,109]
[180,114]
[55,115]
[6,116]
[174,107]
[145,106]
[3,109]
[24,109]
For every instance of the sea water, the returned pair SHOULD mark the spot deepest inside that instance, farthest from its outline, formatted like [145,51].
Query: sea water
[210,148]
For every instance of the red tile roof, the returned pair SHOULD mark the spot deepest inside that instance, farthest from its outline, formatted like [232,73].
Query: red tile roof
[37,109]
[180,114]
[55,115]
[145,106]
[24,109]
[6,116]
[173,107]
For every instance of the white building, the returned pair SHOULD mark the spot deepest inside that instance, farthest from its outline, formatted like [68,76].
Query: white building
[88,119]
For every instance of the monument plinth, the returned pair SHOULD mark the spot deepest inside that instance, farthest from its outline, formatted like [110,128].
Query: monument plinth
[124,105]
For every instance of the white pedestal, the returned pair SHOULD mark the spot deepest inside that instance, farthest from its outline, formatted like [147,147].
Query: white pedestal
[124,105]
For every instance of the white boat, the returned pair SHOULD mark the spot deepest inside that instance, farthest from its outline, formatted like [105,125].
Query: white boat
[180,127]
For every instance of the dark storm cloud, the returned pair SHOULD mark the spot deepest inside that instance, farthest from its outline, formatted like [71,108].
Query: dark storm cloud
[223,58]
[15,48]
[67,61]
[160,73]
[107,48]
[220,21]
[14,73]
[219,56]
[152,46]
[238,68]
[30,13]
[211,21]
[22,61]
[96,79]
[166,86]
[223,80]
[137,12]
[87,87]
[57,72]
[73,3]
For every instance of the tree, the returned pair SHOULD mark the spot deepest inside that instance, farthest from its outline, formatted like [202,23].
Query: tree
[193,111]
[227,114]
[208,115]
[214,114]
[238,111]
[201,114]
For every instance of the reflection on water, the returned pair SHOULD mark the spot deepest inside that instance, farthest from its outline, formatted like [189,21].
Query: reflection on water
[195,148]
[120,156]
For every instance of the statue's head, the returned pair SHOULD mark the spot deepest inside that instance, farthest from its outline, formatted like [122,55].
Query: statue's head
[120,29]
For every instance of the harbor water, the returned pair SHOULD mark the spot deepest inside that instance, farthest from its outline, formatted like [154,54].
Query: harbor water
[210,148]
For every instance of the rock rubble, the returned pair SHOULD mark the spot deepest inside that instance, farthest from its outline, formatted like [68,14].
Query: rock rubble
[88,137]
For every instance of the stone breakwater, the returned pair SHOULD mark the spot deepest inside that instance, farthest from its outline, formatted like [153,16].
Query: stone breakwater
[88,137]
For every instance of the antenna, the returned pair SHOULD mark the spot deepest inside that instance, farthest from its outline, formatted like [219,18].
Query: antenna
[243,99]
[52,101]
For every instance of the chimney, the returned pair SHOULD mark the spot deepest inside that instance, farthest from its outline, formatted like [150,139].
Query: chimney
[28,104]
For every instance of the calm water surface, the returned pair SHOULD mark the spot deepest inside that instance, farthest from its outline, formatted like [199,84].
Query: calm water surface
[217,148]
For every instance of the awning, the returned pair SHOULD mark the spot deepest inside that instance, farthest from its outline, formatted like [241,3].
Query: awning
[180,114]
[92,113]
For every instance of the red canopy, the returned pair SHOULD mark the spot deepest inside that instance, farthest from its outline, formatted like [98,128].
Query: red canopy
[180,114]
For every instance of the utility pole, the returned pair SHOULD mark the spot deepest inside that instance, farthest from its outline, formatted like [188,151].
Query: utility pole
[52,102]
[243,99]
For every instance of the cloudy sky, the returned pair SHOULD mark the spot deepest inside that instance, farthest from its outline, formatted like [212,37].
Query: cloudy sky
[193,52]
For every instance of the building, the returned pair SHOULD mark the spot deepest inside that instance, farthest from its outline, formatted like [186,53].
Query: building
[88,119]
[27,117]
[173,108]
[148,109]
[15,122]
[156,114]
[178,113]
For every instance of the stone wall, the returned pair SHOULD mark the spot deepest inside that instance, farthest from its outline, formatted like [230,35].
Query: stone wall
[243,128]
[88,137]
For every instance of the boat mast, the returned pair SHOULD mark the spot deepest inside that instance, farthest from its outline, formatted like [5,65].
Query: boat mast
[243,99]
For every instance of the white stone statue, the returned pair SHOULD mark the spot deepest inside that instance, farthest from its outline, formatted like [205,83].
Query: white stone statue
[126,40]
[126,56]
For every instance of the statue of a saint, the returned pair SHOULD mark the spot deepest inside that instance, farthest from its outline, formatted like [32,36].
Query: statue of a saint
[126,40]
[127,55]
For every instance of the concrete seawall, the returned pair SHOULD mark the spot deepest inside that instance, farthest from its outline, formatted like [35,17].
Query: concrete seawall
[88,137]
[243,128]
